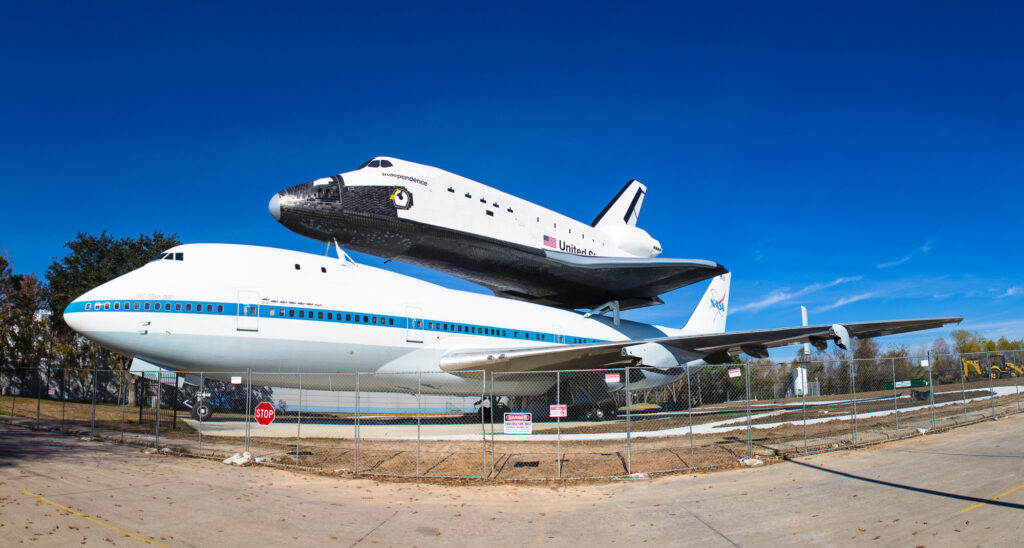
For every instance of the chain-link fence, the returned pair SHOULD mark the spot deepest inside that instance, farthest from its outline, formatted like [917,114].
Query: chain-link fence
[521,426]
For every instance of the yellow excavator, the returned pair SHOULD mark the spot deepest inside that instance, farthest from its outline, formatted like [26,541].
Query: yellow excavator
[998,367]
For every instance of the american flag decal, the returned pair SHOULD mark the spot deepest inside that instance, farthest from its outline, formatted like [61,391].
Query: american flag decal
[550,242]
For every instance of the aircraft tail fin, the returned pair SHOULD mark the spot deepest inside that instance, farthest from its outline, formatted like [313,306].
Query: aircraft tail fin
[624,208]
[709,315]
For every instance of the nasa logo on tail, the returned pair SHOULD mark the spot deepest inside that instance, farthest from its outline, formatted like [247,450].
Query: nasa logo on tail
[717,303]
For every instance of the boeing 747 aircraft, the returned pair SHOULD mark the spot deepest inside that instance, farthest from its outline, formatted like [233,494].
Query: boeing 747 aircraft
[429,217]
[225,309]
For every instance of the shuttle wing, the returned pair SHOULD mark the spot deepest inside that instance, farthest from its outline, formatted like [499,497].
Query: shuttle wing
[712,348]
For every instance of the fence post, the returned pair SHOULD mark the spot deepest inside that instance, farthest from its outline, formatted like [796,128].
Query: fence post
[750,445]
[122,396]
[174,404]
[490,396]
[419,410]
[1016,391]
[298,424]
[931,388]
[895,396]
[963,390]
[853,397]
[199,400]
[629,441]
[483,426]
[39,393]
[558,422]
[248,393]
[159,398]
[92,420]
[689,413]
[991,390]
[805,384]
[63,395]
[356,462]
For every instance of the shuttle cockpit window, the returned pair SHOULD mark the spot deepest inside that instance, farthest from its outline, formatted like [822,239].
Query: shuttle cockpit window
[377,163]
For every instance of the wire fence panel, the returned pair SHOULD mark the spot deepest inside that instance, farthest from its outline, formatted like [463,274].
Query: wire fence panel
[518,426]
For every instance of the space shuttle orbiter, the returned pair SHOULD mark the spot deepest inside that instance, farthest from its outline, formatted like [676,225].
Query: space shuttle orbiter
[426,216]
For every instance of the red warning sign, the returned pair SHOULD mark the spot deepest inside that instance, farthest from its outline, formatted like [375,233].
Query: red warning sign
[264,413]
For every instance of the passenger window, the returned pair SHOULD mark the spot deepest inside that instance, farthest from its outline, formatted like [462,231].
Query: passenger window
[391,321]
[220,308]
[177,307]
[209,308]
[126,305]
[88,306]
[117,306]
[365,319]
[291,312]
[297,267]
[167,306]
[375,320]
[357,318]
[330,315]
[348,317]
[135,306]
[302,313]
[323,269]
[319,315]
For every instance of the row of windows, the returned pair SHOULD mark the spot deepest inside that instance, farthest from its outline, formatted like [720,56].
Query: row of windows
[376,163]
[169,257]
[275,312]
[155,306]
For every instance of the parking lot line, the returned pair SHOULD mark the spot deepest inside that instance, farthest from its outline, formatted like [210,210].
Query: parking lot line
[92,519]
[980,504]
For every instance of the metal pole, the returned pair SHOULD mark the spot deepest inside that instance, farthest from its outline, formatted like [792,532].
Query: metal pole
[1016,392]
[483,426]
[174,404]
[558,422]
[143,387]
[805,383]
[853,397]
[248,393]
[199,402]
[931,389]
[689,412]
[490,396]
[39,394]
[121,396]
[159,401]
[357,426]
[963,391]
[63,395]
[895,397]
[991,390]
[92,420]
[629,440]
[419,406]
[298,423]
[750,444]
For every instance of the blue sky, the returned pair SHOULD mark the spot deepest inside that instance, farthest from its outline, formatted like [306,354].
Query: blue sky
[862,159]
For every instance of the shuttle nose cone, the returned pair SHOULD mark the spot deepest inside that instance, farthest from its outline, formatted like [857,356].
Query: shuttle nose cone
[275,206]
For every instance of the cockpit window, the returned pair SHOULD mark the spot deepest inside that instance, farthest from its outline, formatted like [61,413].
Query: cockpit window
[158,257]
[169,257]
[376,163]
[385,163]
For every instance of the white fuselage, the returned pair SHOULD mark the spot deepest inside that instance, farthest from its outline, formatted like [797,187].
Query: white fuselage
[450,201]
[224,309]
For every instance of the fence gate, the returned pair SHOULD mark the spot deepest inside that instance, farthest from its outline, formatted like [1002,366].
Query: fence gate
[248,310]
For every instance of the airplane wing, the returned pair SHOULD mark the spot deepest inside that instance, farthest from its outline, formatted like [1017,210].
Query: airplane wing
[712,348]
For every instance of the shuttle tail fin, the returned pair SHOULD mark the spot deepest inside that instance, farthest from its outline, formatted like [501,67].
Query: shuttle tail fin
[709,315]
[624,208]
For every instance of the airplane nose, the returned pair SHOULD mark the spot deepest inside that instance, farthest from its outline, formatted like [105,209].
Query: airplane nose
[275,206]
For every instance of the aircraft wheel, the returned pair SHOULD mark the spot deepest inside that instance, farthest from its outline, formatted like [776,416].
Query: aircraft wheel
[202,411]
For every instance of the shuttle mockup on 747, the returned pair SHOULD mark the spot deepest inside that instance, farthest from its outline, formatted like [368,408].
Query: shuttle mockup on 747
[429,217]
[223,309]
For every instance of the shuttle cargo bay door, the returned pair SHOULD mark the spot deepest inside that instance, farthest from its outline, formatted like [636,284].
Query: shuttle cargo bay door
[248,310]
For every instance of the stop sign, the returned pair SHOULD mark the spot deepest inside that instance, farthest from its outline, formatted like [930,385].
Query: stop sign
[264,413]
